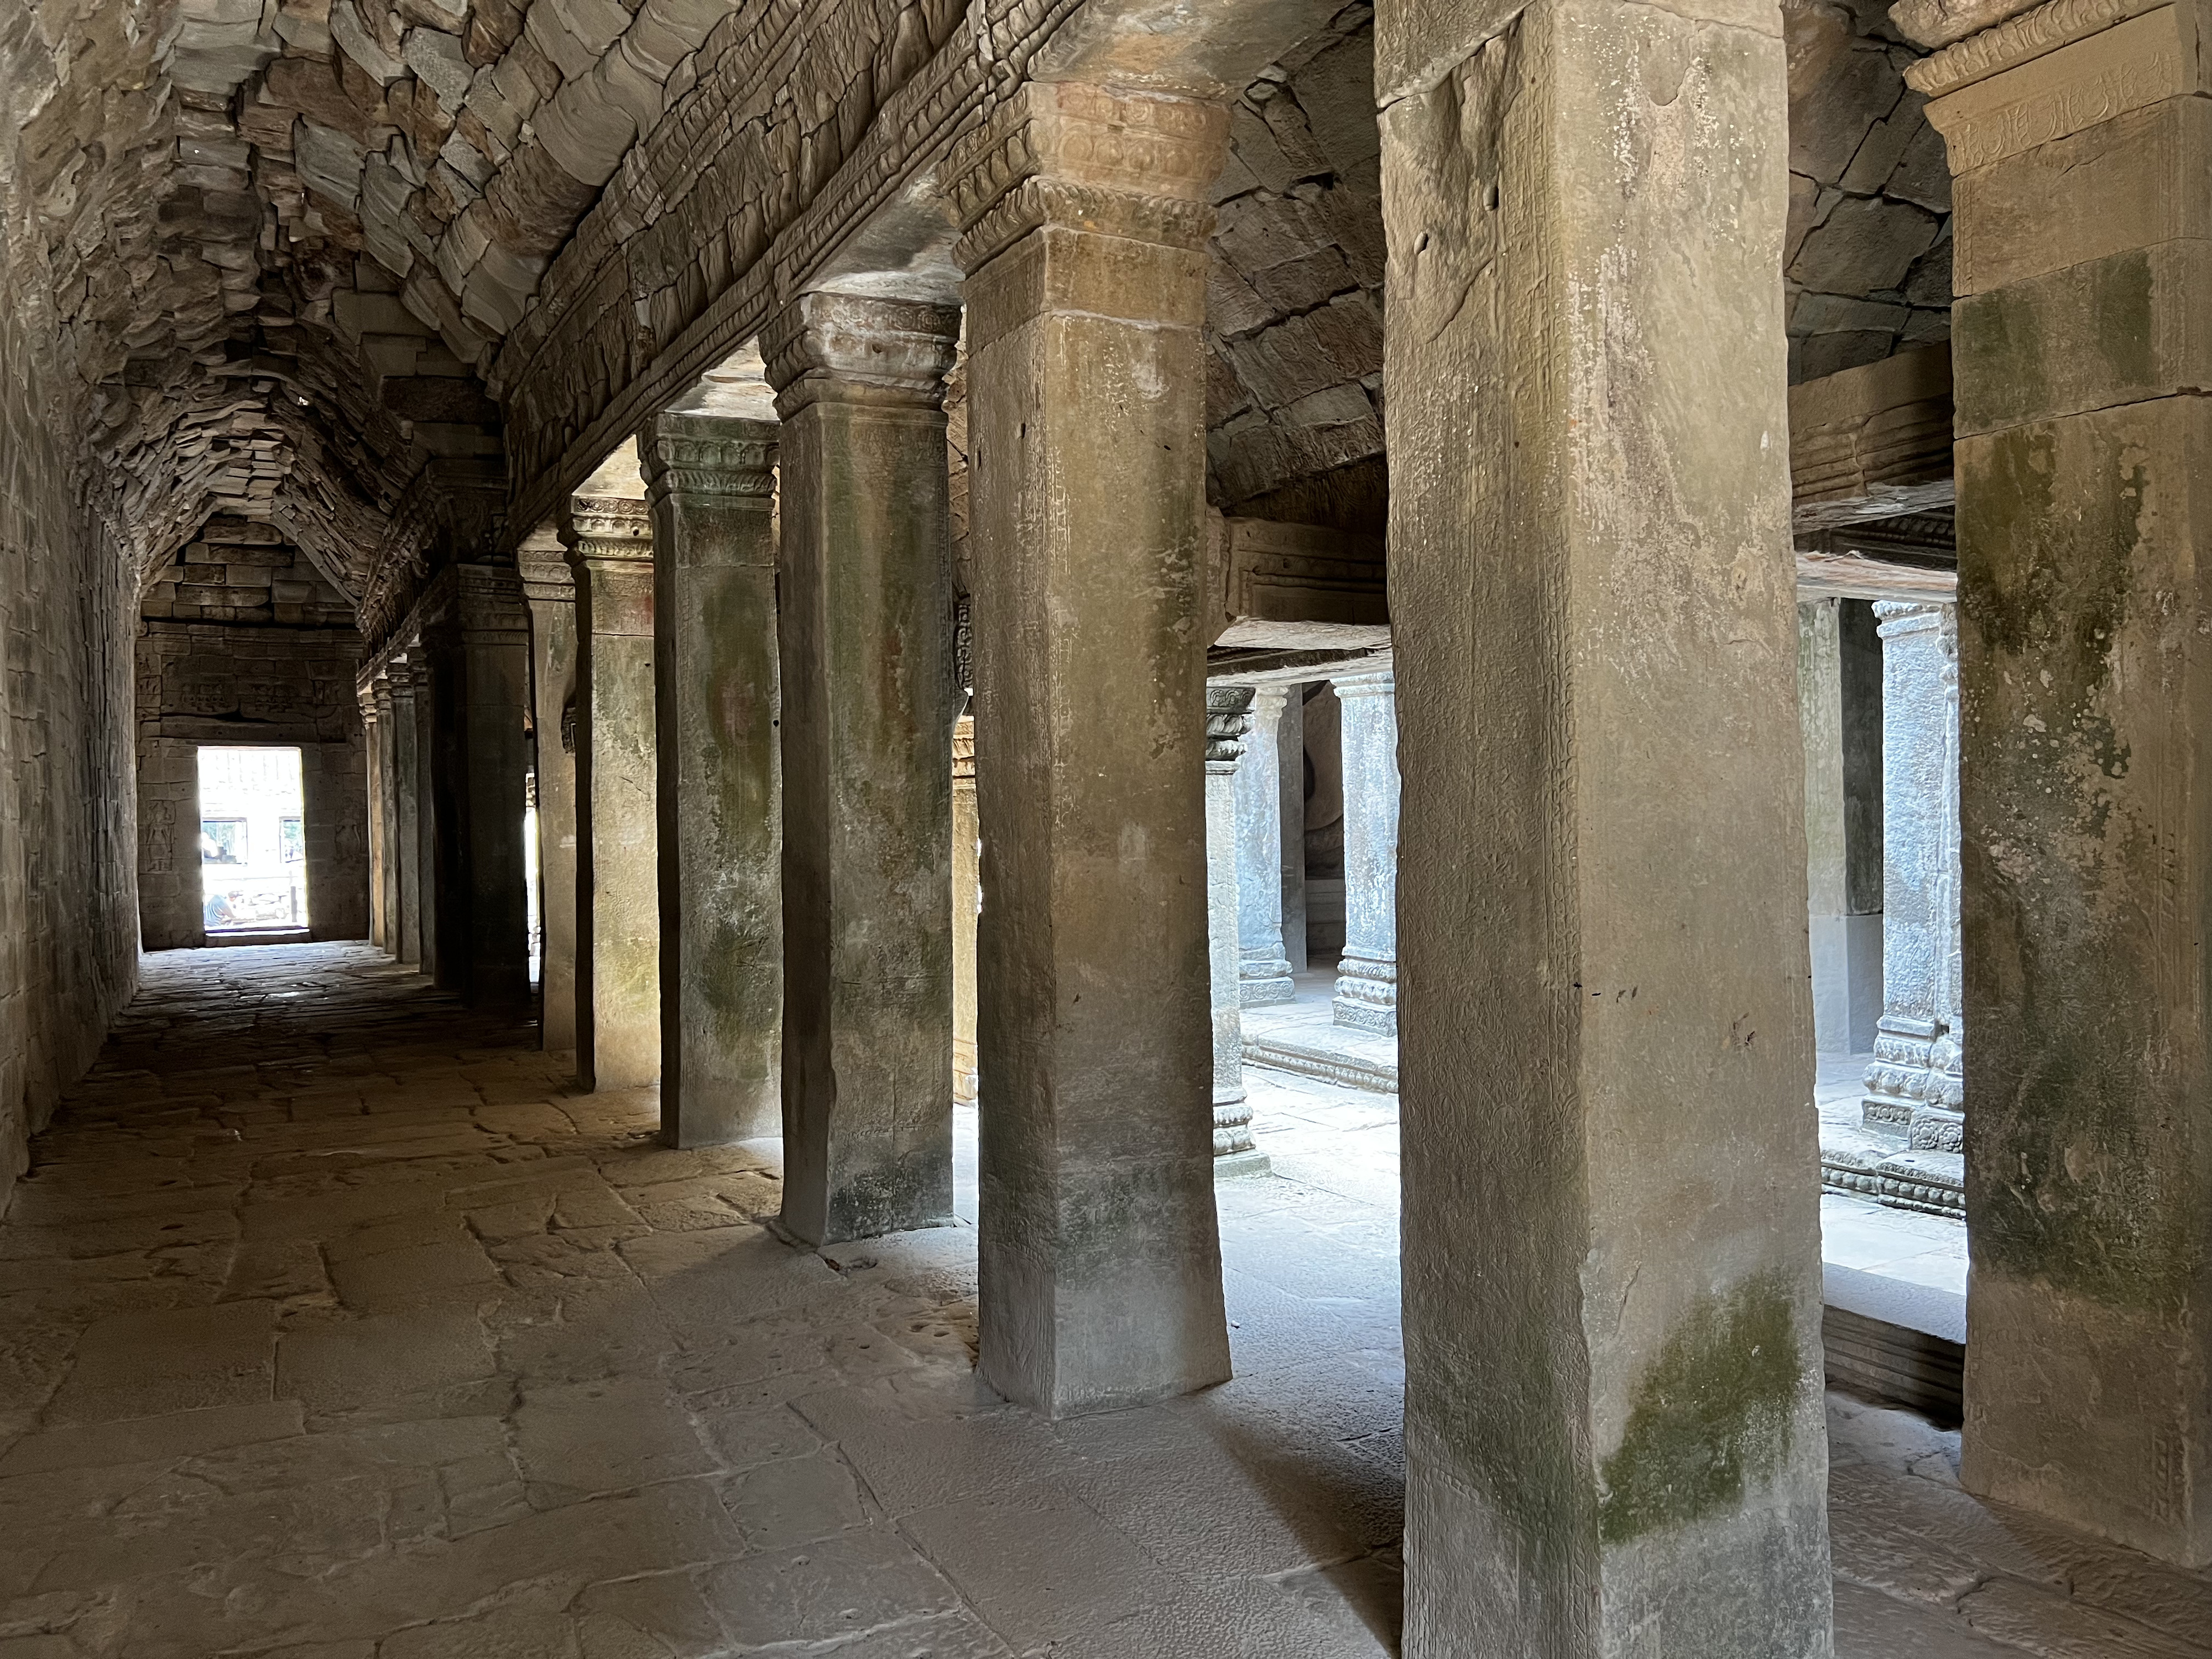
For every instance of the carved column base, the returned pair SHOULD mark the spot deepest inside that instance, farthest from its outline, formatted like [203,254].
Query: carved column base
[1263,984]
[1366,994]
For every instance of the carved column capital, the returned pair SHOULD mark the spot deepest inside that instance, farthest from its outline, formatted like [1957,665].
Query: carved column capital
[1228,718]
[707,455]
[857,349]
[1132,165]
[1370,682]
[543,563]
[607,530]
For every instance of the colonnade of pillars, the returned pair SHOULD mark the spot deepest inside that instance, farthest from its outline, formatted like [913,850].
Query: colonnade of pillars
[1612,1266]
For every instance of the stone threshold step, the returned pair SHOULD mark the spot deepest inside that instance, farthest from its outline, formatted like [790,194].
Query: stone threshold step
[1894,1342]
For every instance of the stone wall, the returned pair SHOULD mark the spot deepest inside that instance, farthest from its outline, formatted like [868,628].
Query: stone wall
[68,926]
[238,570]
[204,682]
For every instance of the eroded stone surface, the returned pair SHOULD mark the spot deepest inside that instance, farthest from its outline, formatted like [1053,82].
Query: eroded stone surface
[634,1439]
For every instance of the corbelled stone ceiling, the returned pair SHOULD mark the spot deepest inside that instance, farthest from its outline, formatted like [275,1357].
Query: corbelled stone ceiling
[282,238]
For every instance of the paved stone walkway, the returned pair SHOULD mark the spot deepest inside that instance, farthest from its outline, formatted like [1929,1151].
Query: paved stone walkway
[332,1327]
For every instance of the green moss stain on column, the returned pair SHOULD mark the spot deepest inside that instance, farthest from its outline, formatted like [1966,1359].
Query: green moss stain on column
[1712,1415]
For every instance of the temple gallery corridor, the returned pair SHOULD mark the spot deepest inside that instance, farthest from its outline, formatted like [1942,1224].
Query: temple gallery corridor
[339,1325]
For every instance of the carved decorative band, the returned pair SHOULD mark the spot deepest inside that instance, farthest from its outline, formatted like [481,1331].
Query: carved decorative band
[708,455]
[2136,63]
[1038,202]
[607,528]
[2018,40]
[853,348]
[1228,718]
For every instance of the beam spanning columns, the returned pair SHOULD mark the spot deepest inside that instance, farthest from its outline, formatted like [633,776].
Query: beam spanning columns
[550,591]
[407,792]
[388,809]
[609,543]
[1612,1290]
[1086,218]
[2084,466]
[1263,971]
[866,642]
[711,485]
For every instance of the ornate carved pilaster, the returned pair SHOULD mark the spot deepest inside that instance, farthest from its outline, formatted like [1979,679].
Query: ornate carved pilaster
[1065,153]
[1914,1087]
[858,349]
[967,904]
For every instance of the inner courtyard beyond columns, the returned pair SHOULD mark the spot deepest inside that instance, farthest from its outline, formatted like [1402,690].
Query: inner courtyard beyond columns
[848,827]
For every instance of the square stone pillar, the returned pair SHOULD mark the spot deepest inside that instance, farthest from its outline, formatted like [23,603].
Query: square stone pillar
[550,591]
[2081,140]
[1087,217]
[1228,743]
[372,746]
[1839,705]
[432,681]
[484,904]
[1291,823]
[1614,1433]
[1263,970]
[711,484]
[387,810]
[865,640]
[967,907]
[407,805]
[1367,972]
[610,542]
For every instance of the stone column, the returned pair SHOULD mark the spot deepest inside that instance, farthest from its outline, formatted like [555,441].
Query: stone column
[1291,823]
[1087,218]
[2079,139]
[372,746]
[1913,1086]
[711,484]
[610,544]
[1840,703]
[407,806]
[1263,970]
[1614,1433]
[550,591]
[487,911]
[430,683]
[1228,727]
[966,906]
[387,810]
[865,637]
[1367,973]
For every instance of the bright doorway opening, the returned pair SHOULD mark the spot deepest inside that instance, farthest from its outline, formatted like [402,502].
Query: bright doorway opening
[253,841]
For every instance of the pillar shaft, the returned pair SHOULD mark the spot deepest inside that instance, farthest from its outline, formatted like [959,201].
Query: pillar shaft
[866,642]
[966,906]
[1291,823]
[550,591]
[484,909]
[1263,970]
[1229,747]
[1087,224]
[1839,704]
[1367,973]
[372,733]
[1914,1086]
[2083,458]
[387,810]
[711,484]
[432,680]
[617,886]
[1613,1391]
[407,785]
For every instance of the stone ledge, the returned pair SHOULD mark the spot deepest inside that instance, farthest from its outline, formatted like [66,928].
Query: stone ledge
[1314,1060]
[1930,1182]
